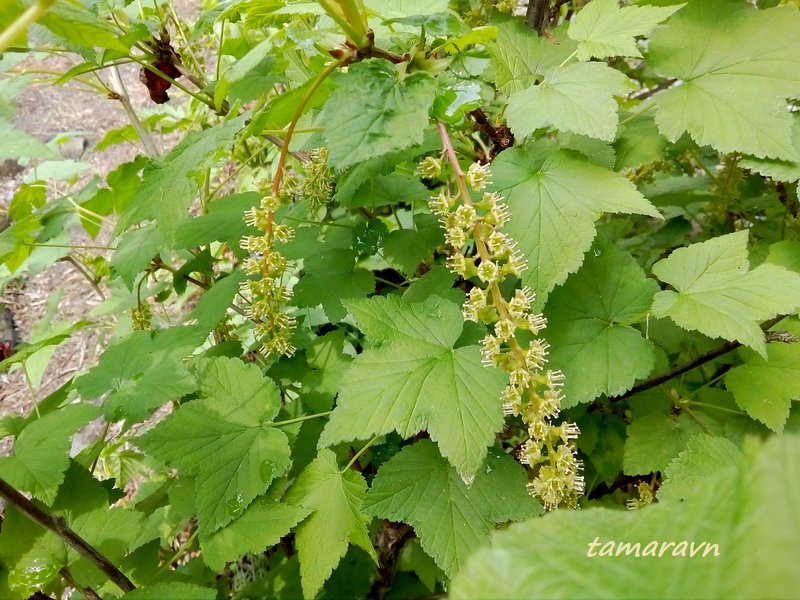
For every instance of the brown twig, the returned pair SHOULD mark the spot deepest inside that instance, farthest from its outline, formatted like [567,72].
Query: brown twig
[391,539]
[59,527]
[537,15]
[540,14]
[87,592]
[500,136]
[85,274]
[645,94]
[692,364]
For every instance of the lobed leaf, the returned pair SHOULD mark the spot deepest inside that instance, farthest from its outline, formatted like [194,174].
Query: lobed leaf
[737,66]
[718,296]
[334,498]
[589,329]
[226,441]
[425,385]
[451,518]
[578,97]
[391,112]
[764,386]
[555,197]
[603,28]
[748,504]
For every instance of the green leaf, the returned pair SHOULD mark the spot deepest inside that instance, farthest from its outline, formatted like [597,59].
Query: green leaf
[169,183]
[226,441]
[735,80]
[262,525]
[215,302]
[391,113]
[766,386]
[704,455]
[717,295]
[41,451]
[224,222]
[19,144]
[278,113]
[578,97]
[388,189]
[249,77]
[451,518]
[555,198]
[749,505]
[603,29]
[72,22]
[639,142]
[786,254]
[335,497]
[398,9]
[407,248]
[654,440]
[780,170]
[135,249]
[425,383]
[589,331]
[438,281]
[330,277]
[520,56]
[173,590]
[35,554]
[141,372]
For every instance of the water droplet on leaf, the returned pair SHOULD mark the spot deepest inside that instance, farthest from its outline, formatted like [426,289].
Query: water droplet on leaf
[267,471]
[235,504]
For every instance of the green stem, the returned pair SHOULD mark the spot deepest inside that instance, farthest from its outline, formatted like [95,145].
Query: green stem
[22,22]
[320,223]
[358,454]
[298,130]
[181,551]
[300,419]
[218,69]
[722,408]
[335,12]
[238,170]
[124,99]
[638,113]
[702,165]
[323,75]
[568,59]
[71,246]
[389,283]
[90,84]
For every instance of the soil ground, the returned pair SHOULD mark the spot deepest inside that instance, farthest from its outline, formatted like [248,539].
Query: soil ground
[46,111]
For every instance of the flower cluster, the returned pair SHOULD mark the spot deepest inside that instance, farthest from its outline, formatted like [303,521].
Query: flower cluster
[533,392]
[142,317]
[316,188]
[266,286]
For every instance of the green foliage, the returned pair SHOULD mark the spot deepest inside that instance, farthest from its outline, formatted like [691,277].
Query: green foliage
[334,499]
[735,78]
[296,391]
[717,294]
[451,518]
[425,383]
[556,197]
[226,441]
[717,511]
[590,330]
[392,113]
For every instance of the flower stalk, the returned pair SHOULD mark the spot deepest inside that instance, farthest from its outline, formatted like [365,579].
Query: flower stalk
[512,344]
